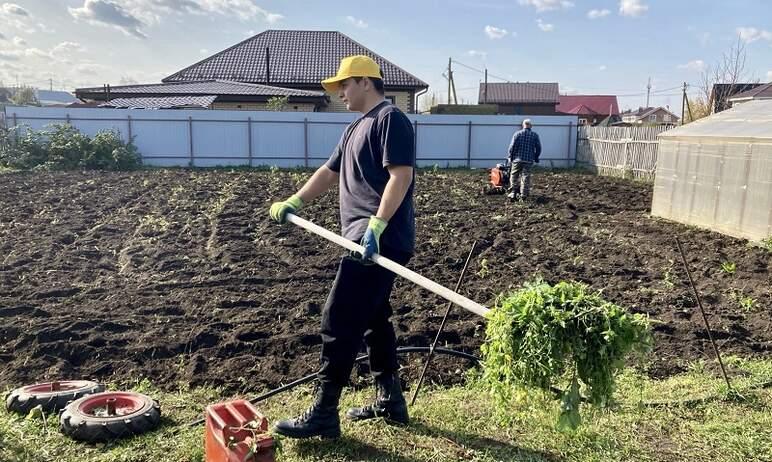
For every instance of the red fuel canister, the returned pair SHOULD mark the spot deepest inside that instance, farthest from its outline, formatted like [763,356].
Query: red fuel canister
[235,428]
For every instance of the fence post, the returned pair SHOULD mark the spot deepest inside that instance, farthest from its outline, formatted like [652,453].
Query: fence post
[15,130]
[568,154]
[128,122]
[67,118]
[249,140]
[469,146]
[190,137]
[415,139]
[305,141]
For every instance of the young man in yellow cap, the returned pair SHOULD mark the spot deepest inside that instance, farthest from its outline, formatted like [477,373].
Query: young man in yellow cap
[374,167]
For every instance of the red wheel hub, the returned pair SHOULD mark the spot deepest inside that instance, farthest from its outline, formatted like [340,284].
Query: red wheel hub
[111,405]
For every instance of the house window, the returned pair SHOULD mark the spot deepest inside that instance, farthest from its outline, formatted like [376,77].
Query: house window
[582,121]
[392,99]
[666,117]
[653,118]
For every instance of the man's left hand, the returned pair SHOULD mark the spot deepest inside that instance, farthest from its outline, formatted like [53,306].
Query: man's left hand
[370,241]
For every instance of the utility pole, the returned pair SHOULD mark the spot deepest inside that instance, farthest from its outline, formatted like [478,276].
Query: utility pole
[683,105]
[648,91]
[485,88]
[51,84]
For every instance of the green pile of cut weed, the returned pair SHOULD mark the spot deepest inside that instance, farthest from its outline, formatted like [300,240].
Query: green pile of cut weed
[541,335]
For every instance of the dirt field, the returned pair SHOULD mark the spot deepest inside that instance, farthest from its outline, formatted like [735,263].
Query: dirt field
[181,277]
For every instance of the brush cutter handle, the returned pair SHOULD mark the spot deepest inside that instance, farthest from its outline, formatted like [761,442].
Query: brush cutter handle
[392,266]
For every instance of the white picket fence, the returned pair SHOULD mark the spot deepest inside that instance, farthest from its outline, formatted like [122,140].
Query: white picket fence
[619,151]
[206,138]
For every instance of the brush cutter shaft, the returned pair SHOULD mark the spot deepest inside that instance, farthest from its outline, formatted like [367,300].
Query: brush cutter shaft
[390,265]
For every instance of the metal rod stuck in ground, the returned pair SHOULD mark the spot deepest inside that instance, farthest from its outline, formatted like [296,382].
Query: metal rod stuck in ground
[392,266]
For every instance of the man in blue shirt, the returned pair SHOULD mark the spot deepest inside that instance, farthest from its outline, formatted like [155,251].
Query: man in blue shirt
[373,166]
[524,150]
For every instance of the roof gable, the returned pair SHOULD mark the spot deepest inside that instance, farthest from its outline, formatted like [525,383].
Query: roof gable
[597,104]
[519,92]
[762,91]
[290,57]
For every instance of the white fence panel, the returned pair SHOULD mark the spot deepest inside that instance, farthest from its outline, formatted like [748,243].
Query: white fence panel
[297,139]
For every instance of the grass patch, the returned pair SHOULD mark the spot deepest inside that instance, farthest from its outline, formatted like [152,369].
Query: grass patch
[693,422]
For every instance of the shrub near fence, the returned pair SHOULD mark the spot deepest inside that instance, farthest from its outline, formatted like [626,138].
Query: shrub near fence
[619,151]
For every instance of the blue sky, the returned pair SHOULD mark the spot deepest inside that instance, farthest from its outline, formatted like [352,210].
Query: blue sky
[587,46]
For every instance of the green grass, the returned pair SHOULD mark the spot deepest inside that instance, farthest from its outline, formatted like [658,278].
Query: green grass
[691,422]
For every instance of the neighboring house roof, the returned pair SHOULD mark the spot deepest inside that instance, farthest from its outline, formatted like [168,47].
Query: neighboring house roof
[519,92]
[290,58]
[721,92]
[206,87]
[55,97]
[162,102]
[762,91]
[597,104]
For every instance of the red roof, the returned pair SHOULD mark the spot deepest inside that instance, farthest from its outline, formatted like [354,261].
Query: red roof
[597,104]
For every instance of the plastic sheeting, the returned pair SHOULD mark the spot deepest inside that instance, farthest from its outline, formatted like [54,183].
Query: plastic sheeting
[717,173]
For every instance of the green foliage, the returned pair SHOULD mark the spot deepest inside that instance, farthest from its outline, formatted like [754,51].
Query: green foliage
[746,302]
[277,103]
[728,267]
[542,334]
[767,243]
[63,147]
[25,96]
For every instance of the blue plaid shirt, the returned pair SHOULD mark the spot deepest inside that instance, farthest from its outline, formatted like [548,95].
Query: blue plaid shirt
[525,146]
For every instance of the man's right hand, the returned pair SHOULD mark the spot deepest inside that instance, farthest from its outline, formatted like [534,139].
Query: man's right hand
[279,210]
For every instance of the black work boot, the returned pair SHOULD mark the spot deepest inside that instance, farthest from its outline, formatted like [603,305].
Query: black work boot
[389,402]
[321,419]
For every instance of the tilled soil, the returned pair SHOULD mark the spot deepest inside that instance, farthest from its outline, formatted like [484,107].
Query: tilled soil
[179,276]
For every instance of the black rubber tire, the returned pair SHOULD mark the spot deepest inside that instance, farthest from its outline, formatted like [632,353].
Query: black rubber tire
[87,427]
[22,400]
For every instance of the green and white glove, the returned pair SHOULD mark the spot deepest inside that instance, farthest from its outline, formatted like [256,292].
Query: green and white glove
[279,210]
[370,241]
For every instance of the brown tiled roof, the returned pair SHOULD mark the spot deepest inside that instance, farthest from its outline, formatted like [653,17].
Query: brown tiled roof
[297,57]
[520,92]
[206,87]
[762,91]
[162,102]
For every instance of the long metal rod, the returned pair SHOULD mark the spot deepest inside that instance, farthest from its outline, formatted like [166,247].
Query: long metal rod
[311,377]
[702,310]
[392,266]
[442,327]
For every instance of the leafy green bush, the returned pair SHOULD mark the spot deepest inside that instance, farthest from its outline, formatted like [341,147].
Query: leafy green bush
[63,147]
[542,334]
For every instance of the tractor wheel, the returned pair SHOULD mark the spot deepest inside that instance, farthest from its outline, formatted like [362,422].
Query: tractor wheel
[109,416]
[51,396]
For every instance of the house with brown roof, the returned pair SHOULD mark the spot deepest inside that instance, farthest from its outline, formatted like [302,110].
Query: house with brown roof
[521,98]
[273,61]
[649,116]
[763,91]
[591,109]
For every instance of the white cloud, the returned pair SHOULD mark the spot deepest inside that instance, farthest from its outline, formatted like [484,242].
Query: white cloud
[12,8]
[495,32]
[358,23]
[107,13]
[19,42]
[2,37]
[632,8]
[696,65]
[602,67]
[595,14]
[769,76]
[704,38]
[12,55]
[36,53]
[544,26]
[477,54]
[66,48]
[203,51]
[245,10]
[546,5]
[751,34]
[91,68]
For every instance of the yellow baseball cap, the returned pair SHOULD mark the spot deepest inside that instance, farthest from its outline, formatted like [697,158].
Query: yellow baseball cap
[353,66]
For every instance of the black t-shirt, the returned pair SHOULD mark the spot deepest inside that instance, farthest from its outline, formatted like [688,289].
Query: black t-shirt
[382,137]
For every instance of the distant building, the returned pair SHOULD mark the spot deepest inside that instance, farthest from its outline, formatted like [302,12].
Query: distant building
[721,93]
[591,109]
[521,98]
[649,116]
[760,92]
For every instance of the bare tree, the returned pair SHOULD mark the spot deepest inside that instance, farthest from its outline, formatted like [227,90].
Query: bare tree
[728,70]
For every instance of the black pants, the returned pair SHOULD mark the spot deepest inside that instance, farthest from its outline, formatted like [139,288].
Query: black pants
[358,307]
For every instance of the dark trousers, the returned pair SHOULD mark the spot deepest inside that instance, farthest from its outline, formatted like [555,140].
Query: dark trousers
[358,308]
